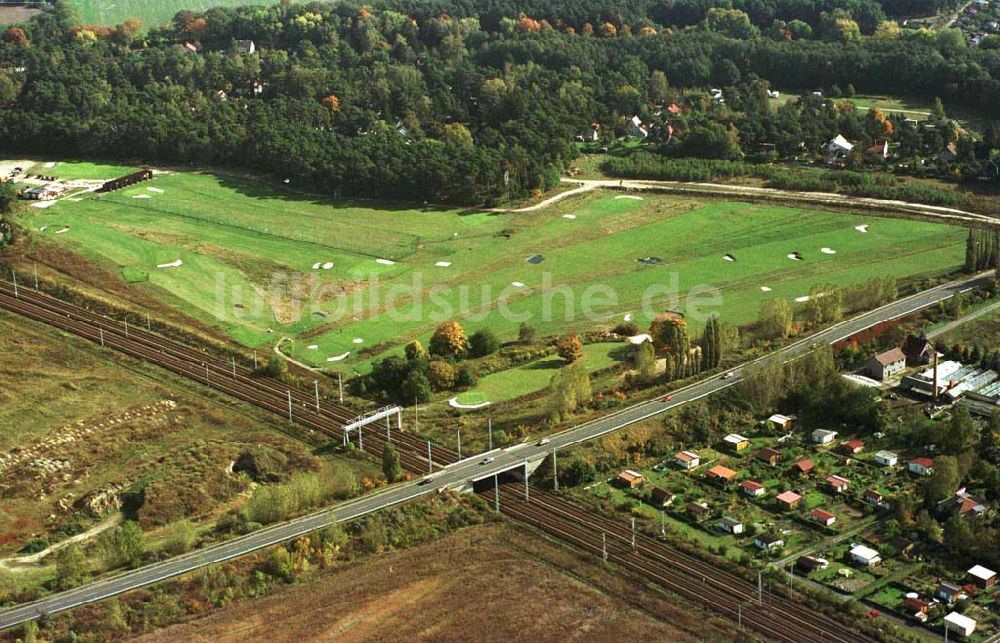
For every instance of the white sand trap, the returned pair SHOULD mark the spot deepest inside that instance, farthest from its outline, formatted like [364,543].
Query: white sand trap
[176,263]
[43,204]
[385,262]
[517,284]
[629,317]
[358,340]
[43,228]
[765,289]
[569,216]
[327,265]
[62,230]
[142,196]
[338,358]
[50,164]
[312,347]
[861,228]
[642,338]
[729,257]
[629,196]
[455,404]
[828,251]
[443,264]
[157,190]
[802,299]
[794,256]
[317,265]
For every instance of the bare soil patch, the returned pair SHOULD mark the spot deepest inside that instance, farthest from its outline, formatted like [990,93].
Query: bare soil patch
[492,583]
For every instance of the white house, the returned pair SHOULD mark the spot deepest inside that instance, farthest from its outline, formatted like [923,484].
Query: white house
[839,147]
[865,555]
[886,458]
[730,525]
[885,365]
[636,128]
[687,459]
[921,466]
[246,46]
[823,436]
[960,623]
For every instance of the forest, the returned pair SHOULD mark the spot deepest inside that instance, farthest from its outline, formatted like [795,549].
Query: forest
[462,102]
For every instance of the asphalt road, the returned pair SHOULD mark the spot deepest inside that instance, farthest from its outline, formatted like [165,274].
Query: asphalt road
[461,473]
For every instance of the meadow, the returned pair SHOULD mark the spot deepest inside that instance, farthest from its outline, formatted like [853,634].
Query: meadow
[153,13]
[80,422]
[348,281]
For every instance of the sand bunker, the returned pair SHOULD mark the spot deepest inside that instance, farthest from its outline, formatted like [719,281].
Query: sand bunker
[828,251]
[338,358]
[650,261]
[63,230]
[861,228]
[455,404]
[142,196]
[628,196]
[443,264]
[43,204]
[629,316]
[385,262]
[157,190]
[327,265]
[358,340]
[50,164]
[43,228]
[794,256]
[535,259]
[802,299]
[569,216]
[729,257]
[176,263]
[312,347]
[765,289]
[517,284]
[316,265]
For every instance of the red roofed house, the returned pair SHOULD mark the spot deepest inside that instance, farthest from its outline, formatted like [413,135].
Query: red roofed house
[921,466]
[752,489]
[789,499]
[873,497]
[674,109]
[803,466]
[916,607]
[721,473]
[824,518]
[838,483]
[852,446]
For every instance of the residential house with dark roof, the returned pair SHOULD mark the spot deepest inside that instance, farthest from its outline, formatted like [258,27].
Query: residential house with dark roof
[918,351]
[768,455]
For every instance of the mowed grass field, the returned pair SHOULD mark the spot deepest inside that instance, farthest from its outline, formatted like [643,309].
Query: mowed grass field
[153,13]
[530,377]
[362,278]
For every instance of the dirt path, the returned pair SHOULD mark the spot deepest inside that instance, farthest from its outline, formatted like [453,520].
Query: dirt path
[950,215]
[15,562]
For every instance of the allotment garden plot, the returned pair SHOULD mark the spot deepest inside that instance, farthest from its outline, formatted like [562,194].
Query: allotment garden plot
[349,281]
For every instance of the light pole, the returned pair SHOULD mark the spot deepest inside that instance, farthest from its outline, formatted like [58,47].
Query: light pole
[555,470]
[489,430]
[316,385]
[289,406]
[14,275]
[458,436]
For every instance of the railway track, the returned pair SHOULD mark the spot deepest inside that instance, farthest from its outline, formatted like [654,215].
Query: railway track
[778,618]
